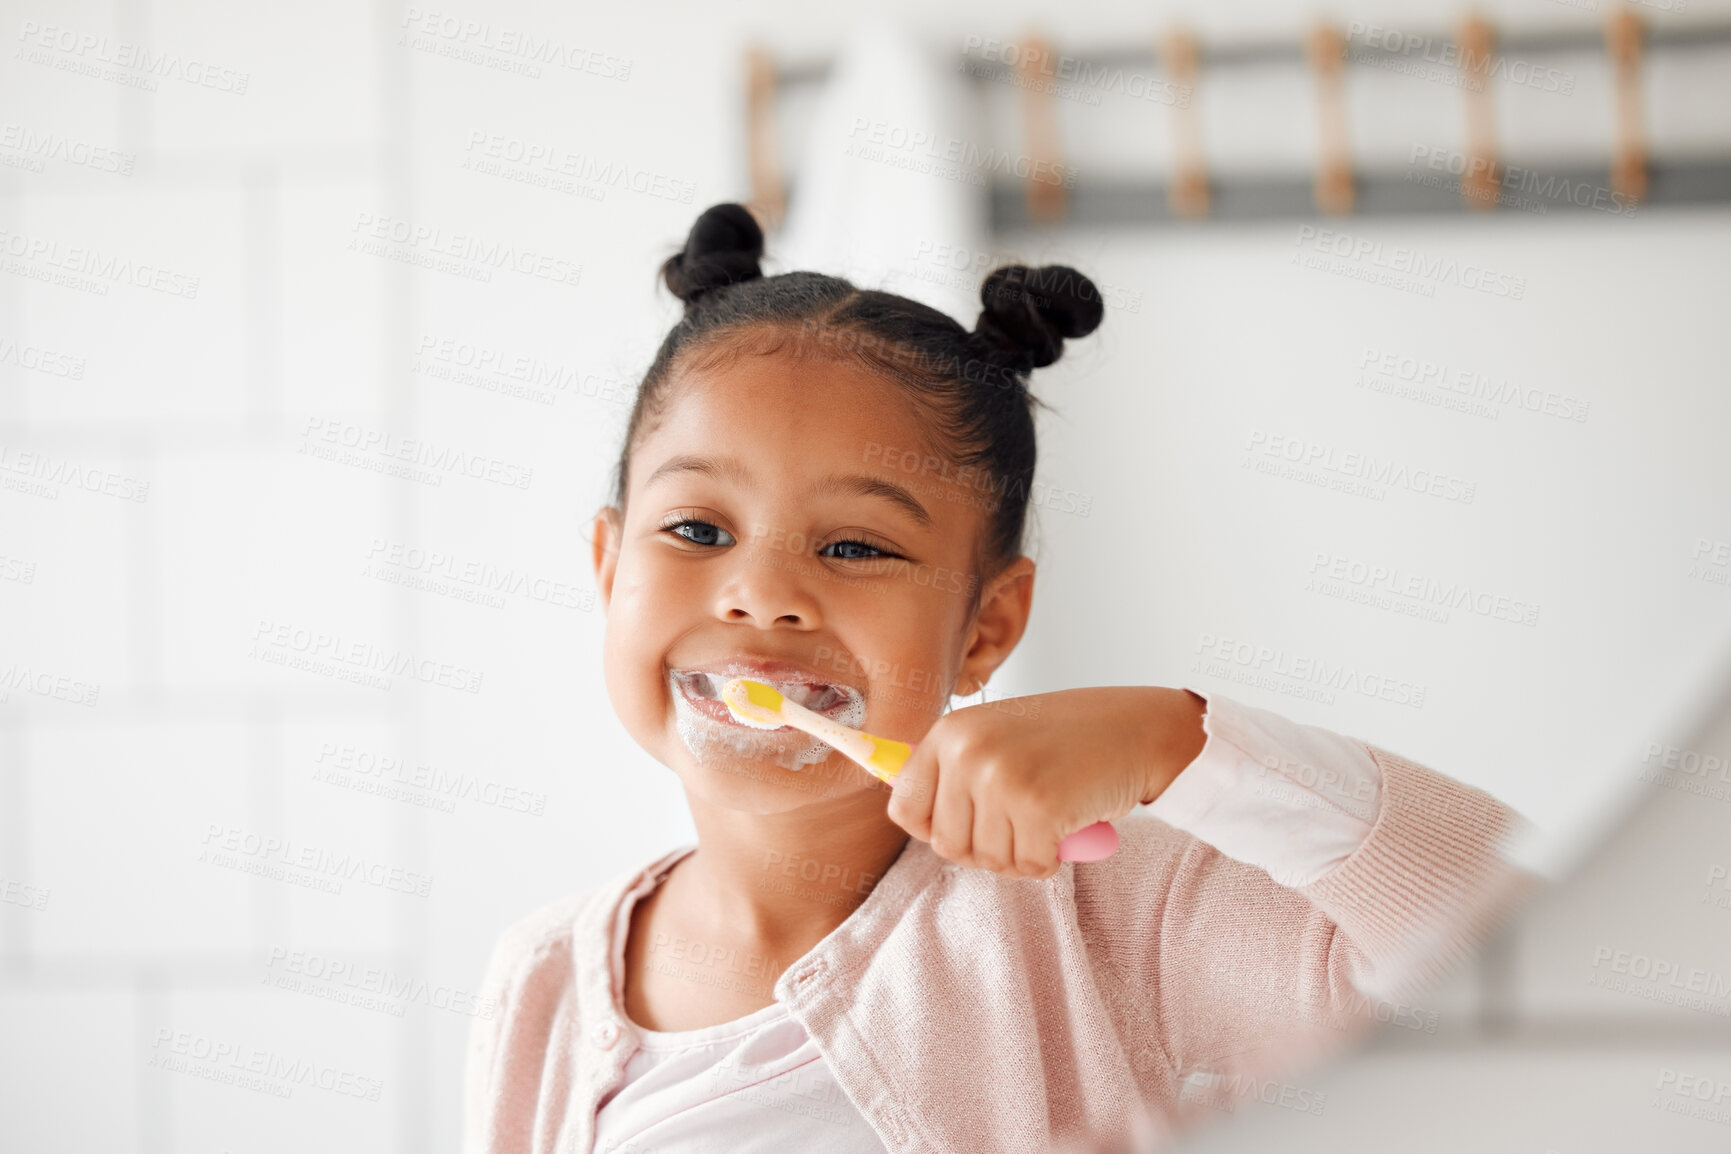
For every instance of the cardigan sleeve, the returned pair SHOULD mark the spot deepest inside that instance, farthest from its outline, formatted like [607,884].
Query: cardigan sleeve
[1293,799]
[508,1049]
[481,1063]
[520,1045]
[1229,974]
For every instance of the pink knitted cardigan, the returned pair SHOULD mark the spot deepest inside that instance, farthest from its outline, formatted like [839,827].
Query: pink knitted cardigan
[963,1011]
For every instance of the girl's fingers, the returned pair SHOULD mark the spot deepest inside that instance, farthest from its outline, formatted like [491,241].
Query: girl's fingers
[1036,849]
[994,839]
[953,819]
[933,799]
[912,795]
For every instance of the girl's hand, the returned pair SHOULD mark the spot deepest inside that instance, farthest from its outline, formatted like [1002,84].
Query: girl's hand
[998,791]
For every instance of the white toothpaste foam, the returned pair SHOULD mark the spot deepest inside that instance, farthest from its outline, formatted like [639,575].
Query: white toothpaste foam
[706,737]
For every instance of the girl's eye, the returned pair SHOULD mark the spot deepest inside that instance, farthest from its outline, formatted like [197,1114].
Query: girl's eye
[854,551]
[701,532]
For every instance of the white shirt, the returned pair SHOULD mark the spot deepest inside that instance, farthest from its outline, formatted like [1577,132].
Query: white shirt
[1293,799]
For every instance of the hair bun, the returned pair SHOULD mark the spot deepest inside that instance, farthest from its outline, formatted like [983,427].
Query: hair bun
[723,248]
[1031,311]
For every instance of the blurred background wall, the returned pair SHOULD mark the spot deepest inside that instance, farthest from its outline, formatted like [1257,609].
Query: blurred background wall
[262,263]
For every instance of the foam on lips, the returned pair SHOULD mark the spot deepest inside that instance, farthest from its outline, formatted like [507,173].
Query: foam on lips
[708,732]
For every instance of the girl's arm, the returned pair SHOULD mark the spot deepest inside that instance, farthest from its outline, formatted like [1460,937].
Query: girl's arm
[1293,799]
[1322,883]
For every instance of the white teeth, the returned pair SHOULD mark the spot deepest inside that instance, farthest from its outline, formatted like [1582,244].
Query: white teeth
[816,697]
[708,737]
[699,683]
[803,694]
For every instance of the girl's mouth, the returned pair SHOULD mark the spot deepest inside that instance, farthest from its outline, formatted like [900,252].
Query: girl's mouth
[701,690]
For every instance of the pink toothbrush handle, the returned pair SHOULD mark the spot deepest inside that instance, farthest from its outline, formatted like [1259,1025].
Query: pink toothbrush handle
[1093,843]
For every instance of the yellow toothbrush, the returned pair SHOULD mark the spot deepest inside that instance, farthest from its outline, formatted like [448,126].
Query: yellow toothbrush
[765,707]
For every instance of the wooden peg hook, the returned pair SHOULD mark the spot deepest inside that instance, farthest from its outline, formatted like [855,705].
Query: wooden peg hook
[1047,200]
[1181,56]
[1333,191]
[1629,161]
[1477,44]
[763,152]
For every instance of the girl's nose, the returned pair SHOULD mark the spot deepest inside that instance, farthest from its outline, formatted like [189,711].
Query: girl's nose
[762,591]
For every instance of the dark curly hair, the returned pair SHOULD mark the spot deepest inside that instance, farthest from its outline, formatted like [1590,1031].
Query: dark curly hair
[971,385]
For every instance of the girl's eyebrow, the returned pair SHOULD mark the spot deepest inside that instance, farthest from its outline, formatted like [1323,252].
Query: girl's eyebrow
[734,470]
[720,468]
[875,487]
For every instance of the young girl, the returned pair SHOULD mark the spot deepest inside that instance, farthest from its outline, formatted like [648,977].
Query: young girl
[825,488]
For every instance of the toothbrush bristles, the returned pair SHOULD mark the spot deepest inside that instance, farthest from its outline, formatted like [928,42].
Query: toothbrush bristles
[753,703]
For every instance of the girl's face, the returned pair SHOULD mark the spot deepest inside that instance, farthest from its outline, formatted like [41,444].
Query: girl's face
[773,529]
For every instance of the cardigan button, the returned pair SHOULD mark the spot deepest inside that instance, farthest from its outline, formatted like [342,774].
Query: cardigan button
[605,1034]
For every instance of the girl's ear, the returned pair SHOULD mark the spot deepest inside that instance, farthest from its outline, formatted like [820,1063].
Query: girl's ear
[998,624]
[604,543]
